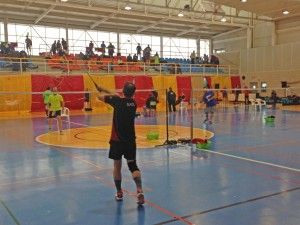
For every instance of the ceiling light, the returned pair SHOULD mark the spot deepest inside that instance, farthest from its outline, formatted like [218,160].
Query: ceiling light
[285,12]
[180,14]
[223,19]
[243,1]
[128,7]
[63,0]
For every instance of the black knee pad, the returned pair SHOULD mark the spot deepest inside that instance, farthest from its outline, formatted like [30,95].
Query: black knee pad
[132,166]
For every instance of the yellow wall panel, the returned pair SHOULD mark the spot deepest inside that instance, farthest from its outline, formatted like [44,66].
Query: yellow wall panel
[107,82]
[15,101]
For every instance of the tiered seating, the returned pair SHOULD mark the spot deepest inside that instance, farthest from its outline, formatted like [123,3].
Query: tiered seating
[186,66]
[93,64]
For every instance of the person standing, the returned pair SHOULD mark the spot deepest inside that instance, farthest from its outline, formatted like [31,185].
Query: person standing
[122,141]
[46,95]
[111,50]
[171,97]
[193,57]
[274,99]
[103,47]
[55,104]
[139,51]
[210,101]
[28,43]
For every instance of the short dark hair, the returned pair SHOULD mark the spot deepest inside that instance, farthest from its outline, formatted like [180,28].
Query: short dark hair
[129,89]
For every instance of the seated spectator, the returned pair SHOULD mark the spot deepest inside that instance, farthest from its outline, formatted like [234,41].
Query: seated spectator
[129,58]
[135,58]
[156,59]
[120,61]
[205,59]
[214,60]
[151,102]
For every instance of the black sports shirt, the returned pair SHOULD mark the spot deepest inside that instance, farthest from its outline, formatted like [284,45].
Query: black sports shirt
[123,118]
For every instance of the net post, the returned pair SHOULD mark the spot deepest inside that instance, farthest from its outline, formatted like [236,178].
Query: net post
[192,114]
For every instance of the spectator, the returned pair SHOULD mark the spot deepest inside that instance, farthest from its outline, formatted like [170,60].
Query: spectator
[225,96]
[147,54]
[111,50]
[171,98]
[129,58]
[28,43]
[193,57]
[205,59]
[58,46]
[156,59]
[135,58]
[246,92]
[53,48]
[151,103]
[64,45]
[120,60]
[274,99]
[91,46]
[214,60]
[139,51]
[103,48]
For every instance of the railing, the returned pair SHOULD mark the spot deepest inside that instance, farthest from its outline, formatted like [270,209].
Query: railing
[69,67]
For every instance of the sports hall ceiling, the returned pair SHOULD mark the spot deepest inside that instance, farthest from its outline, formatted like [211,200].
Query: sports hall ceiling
[202,18]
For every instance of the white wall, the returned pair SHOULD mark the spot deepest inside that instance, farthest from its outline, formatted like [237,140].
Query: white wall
[264,62]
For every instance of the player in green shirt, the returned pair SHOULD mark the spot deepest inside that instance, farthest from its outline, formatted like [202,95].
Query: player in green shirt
[46,95]
[55,104]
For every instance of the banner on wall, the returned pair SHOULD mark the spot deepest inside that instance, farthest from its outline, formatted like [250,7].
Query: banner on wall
[39,83]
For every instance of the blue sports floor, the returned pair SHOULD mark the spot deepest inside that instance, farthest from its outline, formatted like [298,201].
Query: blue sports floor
[250,176]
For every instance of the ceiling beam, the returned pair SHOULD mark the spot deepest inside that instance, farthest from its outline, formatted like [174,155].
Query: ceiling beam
[97,23]
[151,25]
[44,14]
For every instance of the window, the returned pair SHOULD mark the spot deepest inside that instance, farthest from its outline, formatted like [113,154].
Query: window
[80,39]
[204,47]
[2,37]
[129,42]
[42,37]
[178,47]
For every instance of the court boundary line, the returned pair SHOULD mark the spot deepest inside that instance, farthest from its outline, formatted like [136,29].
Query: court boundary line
[14,218]
[232,205]
[251,160]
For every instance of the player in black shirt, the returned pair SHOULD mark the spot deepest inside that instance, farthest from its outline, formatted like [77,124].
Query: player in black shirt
[122,141]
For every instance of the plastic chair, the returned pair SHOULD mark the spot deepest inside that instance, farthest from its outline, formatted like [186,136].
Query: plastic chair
[66,113]
[259,103]
[183,107]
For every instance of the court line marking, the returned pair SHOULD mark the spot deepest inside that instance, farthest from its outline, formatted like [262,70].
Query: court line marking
[246,159]
[252,160]
[10,212]
[167,212]
[232,205]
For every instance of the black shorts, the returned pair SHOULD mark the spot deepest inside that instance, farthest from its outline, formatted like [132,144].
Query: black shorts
[118,149]
[54,114]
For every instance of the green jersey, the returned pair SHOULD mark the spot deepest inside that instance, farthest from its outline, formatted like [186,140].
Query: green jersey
[46,95]
[55,102]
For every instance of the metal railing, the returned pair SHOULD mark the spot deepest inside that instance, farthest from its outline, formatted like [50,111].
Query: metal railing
[69,67]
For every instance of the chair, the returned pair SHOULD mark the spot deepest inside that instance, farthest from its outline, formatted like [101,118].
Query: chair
[259,103]
[241,98]
[183,107]
[66,113]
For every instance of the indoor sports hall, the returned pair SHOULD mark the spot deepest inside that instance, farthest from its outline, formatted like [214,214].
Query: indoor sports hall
[214,89]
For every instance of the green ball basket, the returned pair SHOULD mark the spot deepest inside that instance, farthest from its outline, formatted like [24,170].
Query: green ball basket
[204,145]
[153,136]
[269,119]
